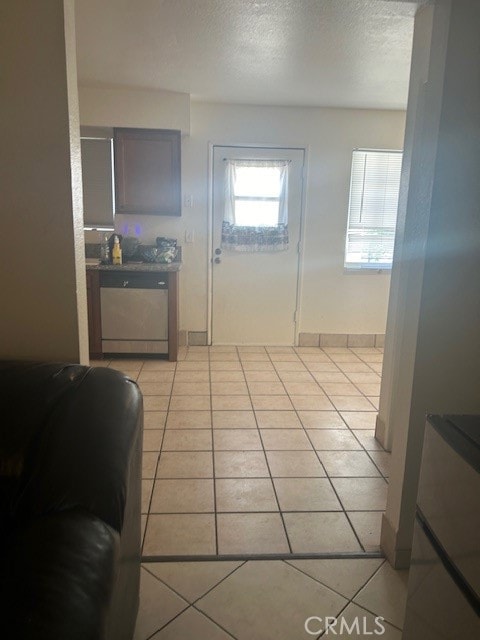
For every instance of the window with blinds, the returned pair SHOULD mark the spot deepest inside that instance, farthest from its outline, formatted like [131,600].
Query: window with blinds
[97,177]
[372,211]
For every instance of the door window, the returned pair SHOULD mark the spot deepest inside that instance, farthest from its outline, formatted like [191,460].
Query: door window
[256,205]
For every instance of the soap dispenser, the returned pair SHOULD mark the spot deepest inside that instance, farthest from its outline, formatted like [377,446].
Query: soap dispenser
[116,251]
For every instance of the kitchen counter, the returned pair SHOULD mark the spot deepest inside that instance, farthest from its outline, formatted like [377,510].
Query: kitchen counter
[155,267]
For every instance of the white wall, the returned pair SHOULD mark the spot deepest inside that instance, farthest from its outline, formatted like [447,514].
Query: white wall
[415,192]
[44,306]
[333,302]
[120,107]
[436,345]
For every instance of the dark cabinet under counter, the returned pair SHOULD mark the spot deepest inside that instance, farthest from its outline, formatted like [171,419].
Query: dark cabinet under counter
[94,318]
[133,312]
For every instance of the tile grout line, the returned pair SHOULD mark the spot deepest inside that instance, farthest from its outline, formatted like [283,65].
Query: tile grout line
[381,475]
[265,477]
[266,458]
[345,373]
[326,474]
[191,605]
[287,561]
[209,617]
[214,479]
[159,455]
[329,476]
[282,511]
[385,477]
[242,557]
[363,587]
[365,451]
[238,358]
[352,601]
[143,535]
[192,513]
[212,589]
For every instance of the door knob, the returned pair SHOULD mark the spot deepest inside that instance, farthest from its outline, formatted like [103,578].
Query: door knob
[218,252]
[217,260]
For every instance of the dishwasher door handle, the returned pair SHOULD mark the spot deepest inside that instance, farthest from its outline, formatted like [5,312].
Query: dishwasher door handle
[126,283]
[133,280]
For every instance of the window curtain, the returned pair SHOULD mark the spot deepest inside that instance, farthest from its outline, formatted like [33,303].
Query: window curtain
[260,237]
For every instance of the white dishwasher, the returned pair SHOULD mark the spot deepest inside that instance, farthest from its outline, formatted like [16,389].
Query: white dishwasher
[134,312]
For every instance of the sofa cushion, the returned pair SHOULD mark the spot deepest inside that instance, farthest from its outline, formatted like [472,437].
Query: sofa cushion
[57,580]
[28,394]
[70,495]
[76,447]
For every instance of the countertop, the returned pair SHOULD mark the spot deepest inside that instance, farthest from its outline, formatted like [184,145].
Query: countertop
[155,267]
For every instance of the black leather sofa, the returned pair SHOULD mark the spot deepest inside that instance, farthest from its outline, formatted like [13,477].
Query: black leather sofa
[70,484]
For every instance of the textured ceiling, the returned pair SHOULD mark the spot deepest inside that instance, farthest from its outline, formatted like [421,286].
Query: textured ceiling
[346,53]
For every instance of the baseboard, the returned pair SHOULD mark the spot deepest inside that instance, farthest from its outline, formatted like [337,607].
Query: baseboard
[398,558]
[353,340]
[341,340]
[380,430]
[197,338]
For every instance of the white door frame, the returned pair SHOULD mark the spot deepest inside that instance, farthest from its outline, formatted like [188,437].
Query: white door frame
[303,205]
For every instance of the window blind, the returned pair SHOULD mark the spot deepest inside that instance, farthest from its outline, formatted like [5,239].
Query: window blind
[97,177]
[372,212]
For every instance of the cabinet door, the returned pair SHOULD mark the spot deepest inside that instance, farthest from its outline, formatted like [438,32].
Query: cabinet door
[147,171]
[94,318]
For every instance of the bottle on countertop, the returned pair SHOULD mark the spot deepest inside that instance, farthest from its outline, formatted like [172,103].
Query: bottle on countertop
[105,250]
[116,251]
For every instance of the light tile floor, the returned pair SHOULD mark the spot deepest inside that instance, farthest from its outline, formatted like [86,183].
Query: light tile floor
[261,450]
[270,599]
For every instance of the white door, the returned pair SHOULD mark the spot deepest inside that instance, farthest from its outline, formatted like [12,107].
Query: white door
[254,293]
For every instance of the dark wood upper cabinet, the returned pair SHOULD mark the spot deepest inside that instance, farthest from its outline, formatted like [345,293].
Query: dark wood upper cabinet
[147,171]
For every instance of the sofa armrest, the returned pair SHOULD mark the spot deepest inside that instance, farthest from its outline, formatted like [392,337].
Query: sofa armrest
[59,578]
[81,453]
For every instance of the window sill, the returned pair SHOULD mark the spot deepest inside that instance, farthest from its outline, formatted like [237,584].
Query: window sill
[366,271]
